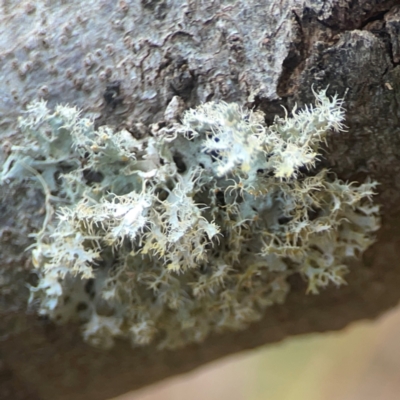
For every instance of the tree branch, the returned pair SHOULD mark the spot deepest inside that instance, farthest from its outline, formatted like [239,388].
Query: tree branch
[262,55]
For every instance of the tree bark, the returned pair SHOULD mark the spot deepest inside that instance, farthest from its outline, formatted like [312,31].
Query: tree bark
[262,54]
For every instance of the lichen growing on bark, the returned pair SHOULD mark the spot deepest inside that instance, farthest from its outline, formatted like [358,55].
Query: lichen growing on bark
[191,230]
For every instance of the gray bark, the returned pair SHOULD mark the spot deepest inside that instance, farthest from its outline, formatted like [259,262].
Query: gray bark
[261,54]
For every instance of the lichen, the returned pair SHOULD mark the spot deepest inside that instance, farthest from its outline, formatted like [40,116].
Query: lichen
[191,230]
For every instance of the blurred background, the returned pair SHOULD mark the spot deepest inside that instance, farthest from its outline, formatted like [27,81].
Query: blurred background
[361,362]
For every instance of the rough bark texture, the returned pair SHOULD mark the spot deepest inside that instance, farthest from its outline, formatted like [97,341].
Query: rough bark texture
[261,54]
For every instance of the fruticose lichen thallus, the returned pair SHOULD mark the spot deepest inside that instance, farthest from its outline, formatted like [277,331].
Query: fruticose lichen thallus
[191,230]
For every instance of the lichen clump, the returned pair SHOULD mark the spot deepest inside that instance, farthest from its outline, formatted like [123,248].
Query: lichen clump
[191,230]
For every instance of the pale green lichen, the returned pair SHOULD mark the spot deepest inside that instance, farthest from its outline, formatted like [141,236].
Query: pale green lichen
[191,230]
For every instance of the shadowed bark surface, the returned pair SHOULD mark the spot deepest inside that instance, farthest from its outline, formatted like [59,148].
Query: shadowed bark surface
[260,54]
